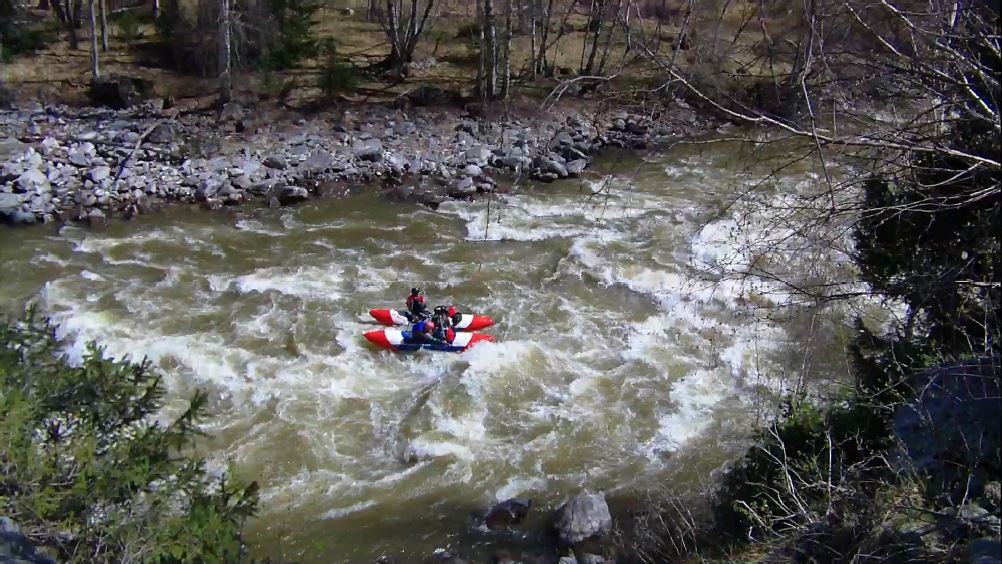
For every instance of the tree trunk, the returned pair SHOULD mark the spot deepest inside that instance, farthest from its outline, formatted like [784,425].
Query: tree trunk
[540,62]
[393,32]
[225,84]
[95,72]
[156,9]
[104,26]
[43,5]
[490,31]
[481,52]
[532,44]
[71,25]
[608,39]
[506,82]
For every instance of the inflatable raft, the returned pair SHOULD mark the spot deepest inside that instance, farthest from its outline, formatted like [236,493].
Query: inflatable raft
[466,322]
[394,340]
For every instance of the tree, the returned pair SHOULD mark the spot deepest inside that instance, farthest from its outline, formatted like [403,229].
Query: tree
[404,23]
[104,26]
[224,56]
[94,70]
[88,470]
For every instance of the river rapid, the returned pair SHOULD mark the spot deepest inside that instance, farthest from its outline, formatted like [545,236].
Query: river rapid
[624,355]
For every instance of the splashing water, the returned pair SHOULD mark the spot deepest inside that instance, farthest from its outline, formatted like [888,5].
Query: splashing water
[620,345]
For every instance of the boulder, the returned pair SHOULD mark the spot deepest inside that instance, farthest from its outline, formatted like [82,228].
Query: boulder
[96,219]
[463,189]
[119,92]
[956,404]
[473,170]
[554,167]
[292,194]
[576,167]
[21,217]
[11,146]
[478,155]
[31,180]
[81,154]
[318,162]
[97,174]
[163,133]
[16,548]
[508,512]
[277,162]
[8,203]
[515,162]
[584,517]
[370,150]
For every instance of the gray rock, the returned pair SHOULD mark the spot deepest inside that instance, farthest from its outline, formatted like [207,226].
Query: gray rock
[96,218]
[567,560]
[562,139]
[15,547]
[478,155]
[576,167]
[208,187]
[31,180]
[552,166]
[473,170]
[587,558]
[515,162]
[371,150]
[463,188]
[11,146]
[508,512]
[291,195]
[275,161]
[250,167]
[231,111]
[584,517]
[958,405]
[21,217]
[243,182]
[318,161]
[219,164]
[80,156]
[100,173]
[9,202]
[984,551]
[635,128]
[163,133]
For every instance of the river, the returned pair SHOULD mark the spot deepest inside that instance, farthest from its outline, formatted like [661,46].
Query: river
[622,351]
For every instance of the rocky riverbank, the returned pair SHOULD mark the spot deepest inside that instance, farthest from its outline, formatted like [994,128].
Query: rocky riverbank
[60,164]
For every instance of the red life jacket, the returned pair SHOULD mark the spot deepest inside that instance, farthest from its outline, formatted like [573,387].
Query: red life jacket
[411,299]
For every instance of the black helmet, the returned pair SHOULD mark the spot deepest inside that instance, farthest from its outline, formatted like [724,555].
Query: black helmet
[415,291]
[440,310]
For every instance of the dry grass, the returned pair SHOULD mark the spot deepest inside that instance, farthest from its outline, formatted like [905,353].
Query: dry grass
[60,74]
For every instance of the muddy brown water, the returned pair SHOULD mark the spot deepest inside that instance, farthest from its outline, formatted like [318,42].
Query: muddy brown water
[622,352]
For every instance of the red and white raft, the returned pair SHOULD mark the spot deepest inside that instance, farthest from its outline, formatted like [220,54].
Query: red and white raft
[395,340]
[466,322]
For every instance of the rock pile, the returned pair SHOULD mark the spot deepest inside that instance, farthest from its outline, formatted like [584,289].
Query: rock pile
[62,164]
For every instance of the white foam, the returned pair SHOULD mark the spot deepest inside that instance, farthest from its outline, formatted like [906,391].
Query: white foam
[343,511]
[518,485]
[305,282]
[695,396]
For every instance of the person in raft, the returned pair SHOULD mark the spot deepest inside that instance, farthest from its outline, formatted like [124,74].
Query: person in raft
[424,333]
[416,308]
